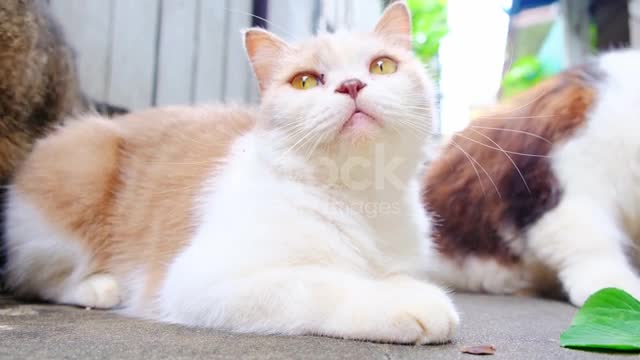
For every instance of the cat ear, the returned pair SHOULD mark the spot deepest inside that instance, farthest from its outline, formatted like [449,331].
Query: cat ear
[264,49]
[395,24]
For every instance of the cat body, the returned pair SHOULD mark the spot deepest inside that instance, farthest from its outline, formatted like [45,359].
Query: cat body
[39,86]
[38,81]
[287,220]
[554,202]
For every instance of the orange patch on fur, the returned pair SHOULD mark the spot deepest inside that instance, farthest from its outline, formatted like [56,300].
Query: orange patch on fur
[126,187]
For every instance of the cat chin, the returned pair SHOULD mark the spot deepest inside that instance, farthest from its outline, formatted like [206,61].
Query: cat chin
[360,128]
[361,135]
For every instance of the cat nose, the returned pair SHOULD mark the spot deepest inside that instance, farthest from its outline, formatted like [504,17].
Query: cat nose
[351,87]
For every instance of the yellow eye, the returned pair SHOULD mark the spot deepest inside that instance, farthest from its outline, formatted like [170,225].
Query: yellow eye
[305,81]
[383,66]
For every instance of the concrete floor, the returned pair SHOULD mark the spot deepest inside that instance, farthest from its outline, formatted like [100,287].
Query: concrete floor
[520,328]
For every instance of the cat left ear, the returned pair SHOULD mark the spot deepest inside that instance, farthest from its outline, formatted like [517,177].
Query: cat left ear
[395,24]
[264,50]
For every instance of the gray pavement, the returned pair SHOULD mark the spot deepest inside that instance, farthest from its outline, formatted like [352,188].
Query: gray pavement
[519,328]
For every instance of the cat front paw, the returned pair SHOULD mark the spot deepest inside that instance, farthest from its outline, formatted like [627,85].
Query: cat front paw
[432,320]
[580,291]
[402,312]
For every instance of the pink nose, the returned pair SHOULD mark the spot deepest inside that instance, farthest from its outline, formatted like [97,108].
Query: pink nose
[351,87]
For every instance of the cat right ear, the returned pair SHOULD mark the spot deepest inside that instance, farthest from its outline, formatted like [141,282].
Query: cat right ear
[264,50]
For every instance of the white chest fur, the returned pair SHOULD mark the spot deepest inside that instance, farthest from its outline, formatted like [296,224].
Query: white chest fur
[266,233]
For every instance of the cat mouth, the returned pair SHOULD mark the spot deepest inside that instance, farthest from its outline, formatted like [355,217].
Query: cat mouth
[360,120]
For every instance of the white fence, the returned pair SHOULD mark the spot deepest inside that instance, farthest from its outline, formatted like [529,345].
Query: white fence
[155,52]
[140,53]
[634,22]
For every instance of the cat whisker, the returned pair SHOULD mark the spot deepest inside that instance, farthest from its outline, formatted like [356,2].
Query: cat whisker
[516,117]
[420,130]
[418,125]
[204,162]
[484,170]
[301,142]
[475,169]
[394,127]
[514,131]
[319,140]
[495,148]
[536,98]
[176,189]
[508,157]
[295,131]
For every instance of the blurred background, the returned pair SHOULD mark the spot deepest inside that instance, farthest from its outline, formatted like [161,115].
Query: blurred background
[141,53]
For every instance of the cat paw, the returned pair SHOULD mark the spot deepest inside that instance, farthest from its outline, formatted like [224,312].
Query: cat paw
[430,321]
[580,291]
[99,291]
[405,312]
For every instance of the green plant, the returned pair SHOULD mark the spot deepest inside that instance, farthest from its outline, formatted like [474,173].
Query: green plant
[523,74]
[429,18]
[608,320]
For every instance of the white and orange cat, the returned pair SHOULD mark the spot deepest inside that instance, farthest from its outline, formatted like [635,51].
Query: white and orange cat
[301,218]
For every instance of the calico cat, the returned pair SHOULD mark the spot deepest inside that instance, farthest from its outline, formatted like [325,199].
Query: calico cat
[543,191]
[38,82]
[301,218]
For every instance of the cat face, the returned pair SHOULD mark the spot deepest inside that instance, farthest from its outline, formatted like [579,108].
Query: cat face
[348,88]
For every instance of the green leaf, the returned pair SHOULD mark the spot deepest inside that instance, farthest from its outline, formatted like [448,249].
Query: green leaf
[429,26]
[608,320]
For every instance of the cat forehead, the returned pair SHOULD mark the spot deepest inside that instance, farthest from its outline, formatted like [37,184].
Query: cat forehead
[334,50]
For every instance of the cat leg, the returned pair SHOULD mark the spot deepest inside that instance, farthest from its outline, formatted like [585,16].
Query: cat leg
[45,262]
[317,301]
[477,274]
[586,246]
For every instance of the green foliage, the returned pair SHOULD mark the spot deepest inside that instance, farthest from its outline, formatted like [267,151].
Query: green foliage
[429,18]
[609,320]
[528,70]
[523,74]
[593,37]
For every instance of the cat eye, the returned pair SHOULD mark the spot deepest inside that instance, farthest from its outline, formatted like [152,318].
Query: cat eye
[305,81]
[383,66]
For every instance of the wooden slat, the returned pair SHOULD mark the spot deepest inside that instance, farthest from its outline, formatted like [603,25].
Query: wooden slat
[237,76]
[209,72]
[176,52]
[365,14]
[87,26]
[577,30]
[135,27]
[292,28]
[634,23]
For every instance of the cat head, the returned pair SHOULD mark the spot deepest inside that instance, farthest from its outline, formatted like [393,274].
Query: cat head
[345,88]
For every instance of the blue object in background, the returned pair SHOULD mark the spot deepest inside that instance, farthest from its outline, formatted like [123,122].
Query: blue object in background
[553,53]
[520,5]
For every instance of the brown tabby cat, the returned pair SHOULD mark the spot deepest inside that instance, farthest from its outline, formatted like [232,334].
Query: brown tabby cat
[38,81]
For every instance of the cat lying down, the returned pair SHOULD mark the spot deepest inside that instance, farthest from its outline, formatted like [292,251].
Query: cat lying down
[249,221]
[544,191]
